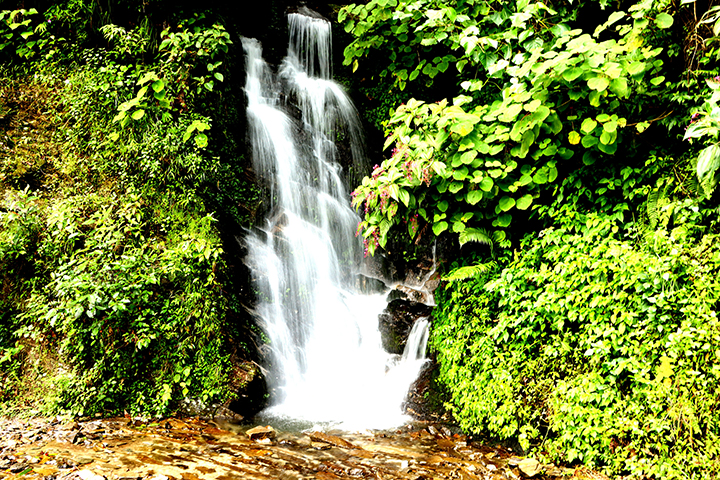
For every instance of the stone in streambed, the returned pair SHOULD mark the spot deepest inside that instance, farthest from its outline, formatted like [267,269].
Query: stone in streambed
[261,433]
[331,439]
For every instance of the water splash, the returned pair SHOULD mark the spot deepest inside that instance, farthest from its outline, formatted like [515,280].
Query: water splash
[327,361]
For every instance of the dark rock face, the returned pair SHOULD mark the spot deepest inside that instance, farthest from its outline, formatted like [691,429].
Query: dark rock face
[397,320]
[250,388]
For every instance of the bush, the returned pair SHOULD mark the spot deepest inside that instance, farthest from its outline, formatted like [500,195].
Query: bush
[590,348]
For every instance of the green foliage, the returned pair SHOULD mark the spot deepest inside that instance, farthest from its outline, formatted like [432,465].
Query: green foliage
[706,125]
[132,311]
[588,347]
[113,263]
[194,56]
[24,33]
[539,93]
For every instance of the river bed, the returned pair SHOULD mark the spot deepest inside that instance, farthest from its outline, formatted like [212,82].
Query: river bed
[191,449]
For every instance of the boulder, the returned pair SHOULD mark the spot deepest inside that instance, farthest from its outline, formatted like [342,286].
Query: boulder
[396,321]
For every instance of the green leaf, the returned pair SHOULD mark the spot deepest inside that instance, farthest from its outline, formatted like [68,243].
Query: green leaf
[619,87]
[486,184]
[443,205]
[201,140]
[657,80]
[524,202]
[588,125]
[455,187]
[474,235]
[462,129]
[138,114]
[572,74]
[589,141]
[540,176]
[219,76]
[598,83]
[636,68]
[473,197]
[404,196]
[574,137]
[506,203]
[663,20]
[458,227]
[158,85]
[707,166]
[439,227]
[610,148]
[503,220]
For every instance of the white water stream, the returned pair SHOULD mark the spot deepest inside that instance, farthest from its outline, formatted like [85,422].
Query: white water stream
[328,365]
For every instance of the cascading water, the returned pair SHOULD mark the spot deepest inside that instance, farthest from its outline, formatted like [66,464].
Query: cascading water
[328,365]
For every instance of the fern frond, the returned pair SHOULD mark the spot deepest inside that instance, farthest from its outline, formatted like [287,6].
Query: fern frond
[472,271]
[479,235]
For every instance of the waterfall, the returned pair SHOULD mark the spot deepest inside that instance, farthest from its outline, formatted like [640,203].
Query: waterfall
[327,364]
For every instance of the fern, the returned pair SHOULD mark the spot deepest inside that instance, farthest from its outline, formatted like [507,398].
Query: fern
[475,235]
[472,271]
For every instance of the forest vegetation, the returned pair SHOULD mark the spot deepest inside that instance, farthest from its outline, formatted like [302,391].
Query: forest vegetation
[567,151]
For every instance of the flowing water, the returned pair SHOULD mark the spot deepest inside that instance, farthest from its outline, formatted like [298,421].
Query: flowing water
[327,363]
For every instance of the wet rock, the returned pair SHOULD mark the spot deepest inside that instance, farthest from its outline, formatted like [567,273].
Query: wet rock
[18,467]
[248,385]
[224,414]
[261,433]
[529,466]
[331,439]
[369,285]
[396,321]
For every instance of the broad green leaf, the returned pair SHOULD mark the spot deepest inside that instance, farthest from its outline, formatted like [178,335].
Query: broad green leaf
[610,148]
[462,129]
[636,68]
[506,203]
[619,87]
[439,227]
[657,80]
[473,197]
[503,220]
[487,184]
[443,205]
[540,176]
[571,74]
[158,85]
[588,125]
[552,174]
[589,141]
[458,227]
[598,83]
[663,20]
[588,158]
[138,114]
[707,166]
[455,187]
[404,196]
[607,137]
[201,140]
[524,202]
[460,174]
[574,137]
[510,113]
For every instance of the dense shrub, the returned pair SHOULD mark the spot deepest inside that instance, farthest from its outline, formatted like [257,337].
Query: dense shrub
[593,347]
